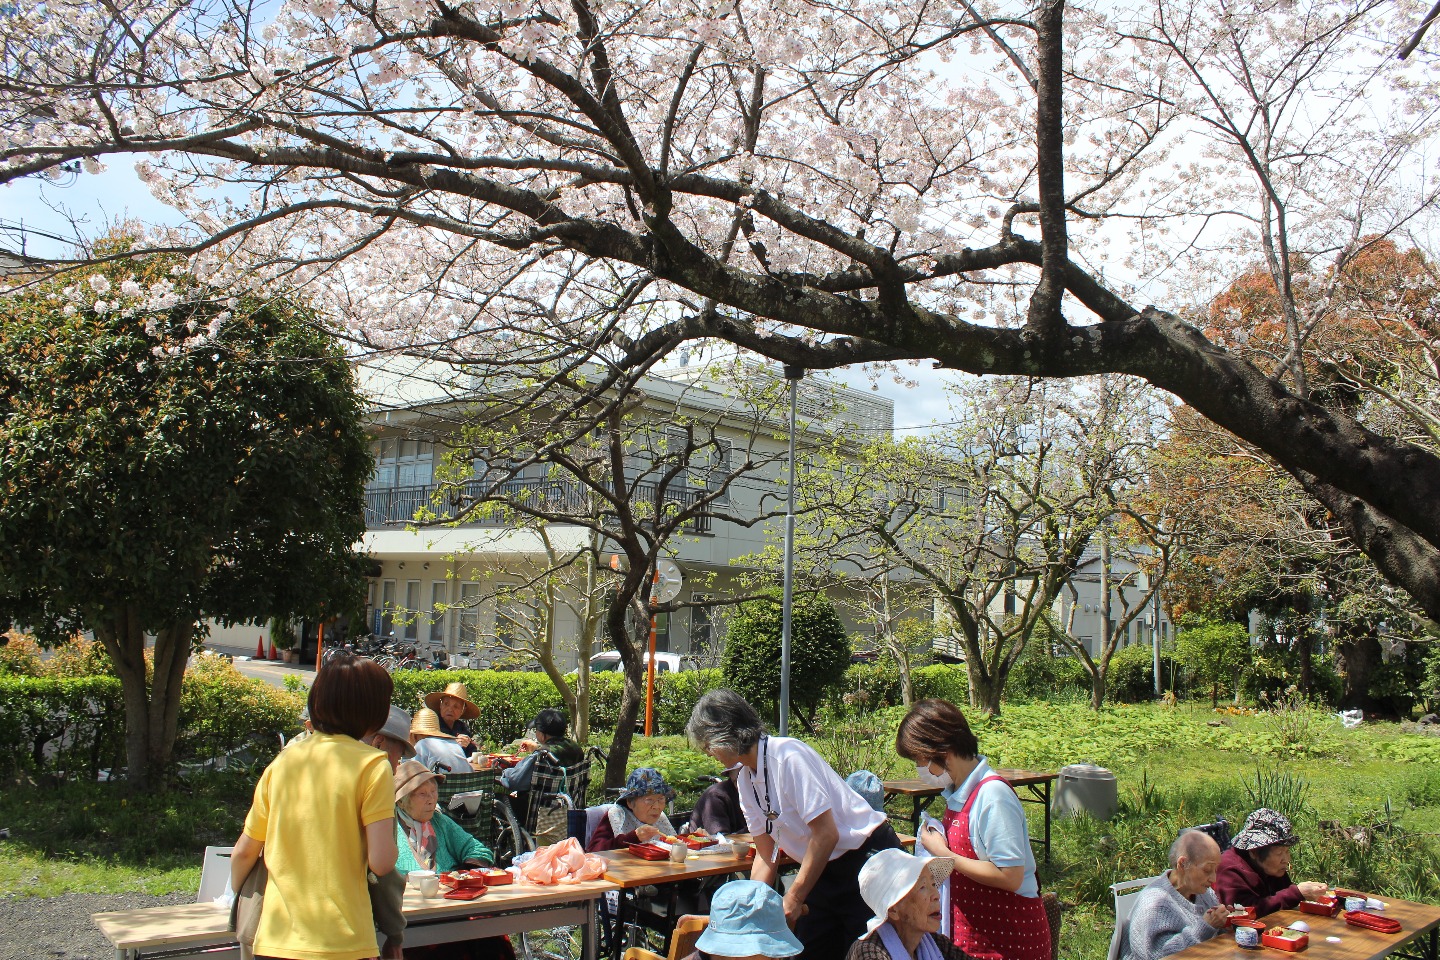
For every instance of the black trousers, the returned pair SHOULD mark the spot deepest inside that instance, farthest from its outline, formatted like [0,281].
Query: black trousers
[837,913]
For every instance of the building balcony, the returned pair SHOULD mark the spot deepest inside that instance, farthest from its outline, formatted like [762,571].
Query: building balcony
[397,506]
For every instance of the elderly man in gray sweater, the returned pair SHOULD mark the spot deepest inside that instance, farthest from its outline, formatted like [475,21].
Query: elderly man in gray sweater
[1179,909]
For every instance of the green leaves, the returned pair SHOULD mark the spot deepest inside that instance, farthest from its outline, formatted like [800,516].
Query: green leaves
[819,652]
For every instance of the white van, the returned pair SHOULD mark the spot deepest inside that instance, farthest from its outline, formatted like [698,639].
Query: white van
[609,662]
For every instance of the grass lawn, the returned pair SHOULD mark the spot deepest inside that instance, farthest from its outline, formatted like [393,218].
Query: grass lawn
[101,838]
[1176,768]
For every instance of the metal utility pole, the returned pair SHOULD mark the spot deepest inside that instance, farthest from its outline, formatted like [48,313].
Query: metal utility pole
[793,374]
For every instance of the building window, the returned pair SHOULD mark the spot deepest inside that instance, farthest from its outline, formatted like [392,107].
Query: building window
[387,608]
[402,463]
[508,617]
[412,610]
[702,626]
[438,592]
[469,615]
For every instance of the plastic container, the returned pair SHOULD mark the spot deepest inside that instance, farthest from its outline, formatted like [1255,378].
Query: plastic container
[1291,941]
[647,851]
[463,879]
[1320,907]
[1086,788]
[1234,919]
[1372,921]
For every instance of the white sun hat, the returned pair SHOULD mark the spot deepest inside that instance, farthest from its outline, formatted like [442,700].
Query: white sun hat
[885,880]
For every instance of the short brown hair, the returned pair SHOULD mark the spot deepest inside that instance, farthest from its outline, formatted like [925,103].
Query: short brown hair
[932,729]
[350,695]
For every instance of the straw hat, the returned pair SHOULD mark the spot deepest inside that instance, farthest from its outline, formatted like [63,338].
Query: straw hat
[458,691]
[427,724]
[410,776]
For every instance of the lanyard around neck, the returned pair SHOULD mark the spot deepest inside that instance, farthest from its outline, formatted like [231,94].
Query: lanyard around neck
[771,814]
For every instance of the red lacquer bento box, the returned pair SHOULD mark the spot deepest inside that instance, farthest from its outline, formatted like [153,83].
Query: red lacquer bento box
[648,851]
[1283,938]
[1320,906]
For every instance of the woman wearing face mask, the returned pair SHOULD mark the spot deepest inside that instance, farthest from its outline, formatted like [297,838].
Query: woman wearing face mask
[995,907]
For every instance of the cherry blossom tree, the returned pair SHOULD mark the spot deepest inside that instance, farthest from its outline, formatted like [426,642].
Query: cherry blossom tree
[824,184]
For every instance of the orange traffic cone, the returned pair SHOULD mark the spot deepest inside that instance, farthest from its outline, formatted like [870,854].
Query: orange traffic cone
[274,654]
[259,648]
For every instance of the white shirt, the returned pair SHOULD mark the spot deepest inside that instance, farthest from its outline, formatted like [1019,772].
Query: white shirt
[442,756]
[801,787]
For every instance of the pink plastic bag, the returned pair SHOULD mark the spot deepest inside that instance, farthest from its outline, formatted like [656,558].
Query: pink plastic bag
[562,862]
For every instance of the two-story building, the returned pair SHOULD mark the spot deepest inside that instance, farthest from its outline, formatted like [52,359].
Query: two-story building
[441,585]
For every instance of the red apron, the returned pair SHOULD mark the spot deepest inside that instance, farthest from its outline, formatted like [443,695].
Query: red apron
[986,922]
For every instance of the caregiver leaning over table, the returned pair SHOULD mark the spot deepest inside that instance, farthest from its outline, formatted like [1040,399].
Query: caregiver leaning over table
[793,802]
[995,907]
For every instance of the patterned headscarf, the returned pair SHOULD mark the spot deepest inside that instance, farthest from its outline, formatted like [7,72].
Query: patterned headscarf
[1265,828]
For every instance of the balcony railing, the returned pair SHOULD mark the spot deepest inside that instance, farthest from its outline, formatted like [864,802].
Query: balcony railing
[394,506]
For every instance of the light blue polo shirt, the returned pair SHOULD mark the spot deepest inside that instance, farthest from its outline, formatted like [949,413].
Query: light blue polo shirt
[998,830]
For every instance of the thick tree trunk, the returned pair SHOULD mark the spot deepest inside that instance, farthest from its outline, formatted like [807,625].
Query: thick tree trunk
[1097,689]
[152,705]
[985,691]
[1358,657]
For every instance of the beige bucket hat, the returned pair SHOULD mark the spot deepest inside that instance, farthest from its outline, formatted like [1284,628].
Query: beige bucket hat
[410,776]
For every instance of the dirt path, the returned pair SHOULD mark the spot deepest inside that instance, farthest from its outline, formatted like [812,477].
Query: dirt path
[51,928]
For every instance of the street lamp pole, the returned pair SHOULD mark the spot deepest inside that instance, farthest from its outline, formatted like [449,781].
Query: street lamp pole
[793,374]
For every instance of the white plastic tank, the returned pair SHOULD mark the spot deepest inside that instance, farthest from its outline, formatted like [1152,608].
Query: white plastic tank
[1085,788]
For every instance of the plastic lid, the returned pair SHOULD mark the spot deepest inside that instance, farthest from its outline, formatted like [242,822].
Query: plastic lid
[1086,771]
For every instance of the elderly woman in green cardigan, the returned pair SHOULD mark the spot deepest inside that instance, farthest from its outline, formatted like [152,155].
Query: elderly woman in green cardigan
[427,839]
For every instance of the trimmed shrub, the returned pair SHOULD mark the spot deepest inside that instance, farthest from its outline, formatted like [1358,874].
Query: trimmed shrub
[1131,677]
[676,694]
[67,726]
[1038,675]
[943,681]
[820,654]
[222,710]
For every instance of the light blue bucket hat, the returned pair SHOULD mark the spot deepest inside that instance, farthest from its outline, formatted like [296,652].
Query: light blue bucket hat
[748,917]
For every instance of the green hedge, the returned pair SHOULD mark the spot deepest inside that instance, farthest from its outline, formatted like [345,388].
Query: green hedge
[74,727]
[508,701]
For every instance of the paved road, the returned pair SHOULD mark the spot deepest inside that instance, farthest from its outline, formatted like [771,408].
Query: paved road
[271,672]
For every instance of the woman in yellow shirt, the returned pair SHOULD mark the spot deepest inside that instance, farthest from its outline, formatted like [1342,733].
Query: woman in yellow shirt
[324,813]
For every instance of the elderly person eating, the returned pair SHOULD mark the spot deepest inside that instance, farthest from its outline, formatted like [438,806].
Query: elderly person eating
[637,815]
[426,838]
[1178,909]
[1255,871]
[454,706]
[902,891]
[796,804]
[747,922]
